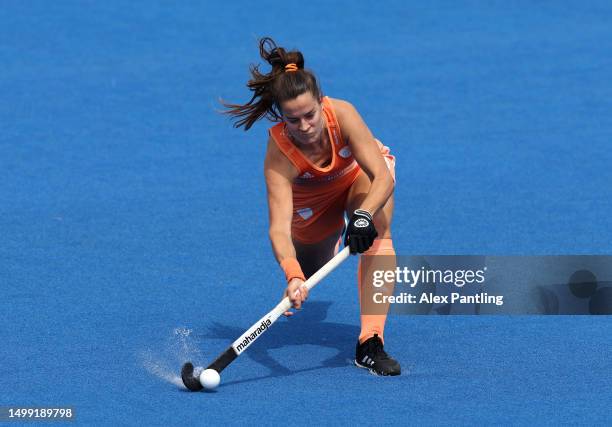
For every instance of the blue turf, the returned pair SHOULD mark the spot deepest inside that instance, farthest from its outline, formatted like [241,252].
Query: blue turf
[131,211]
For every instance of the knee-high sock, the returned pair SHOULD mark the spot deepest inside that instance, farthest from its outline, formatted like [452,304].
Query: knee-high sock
[374,323]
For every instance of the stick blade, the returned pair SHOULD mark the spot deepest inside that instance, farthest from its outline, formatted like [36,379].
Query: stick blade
[191,382]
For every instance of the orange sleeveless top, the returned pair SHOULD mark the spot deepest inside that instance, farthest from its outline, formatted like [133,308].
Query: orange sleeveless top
[316,190]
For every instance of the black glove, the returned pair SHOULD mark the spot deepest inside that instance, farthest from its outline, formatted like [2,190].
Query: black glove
[360,233]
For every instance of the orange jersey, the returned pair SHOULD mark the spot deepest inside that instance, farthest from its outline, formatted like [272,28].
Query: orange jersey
[319,194]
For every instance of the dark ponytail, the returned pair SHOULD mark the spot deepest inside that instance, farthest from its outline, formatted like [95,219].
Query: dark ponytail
[273,88]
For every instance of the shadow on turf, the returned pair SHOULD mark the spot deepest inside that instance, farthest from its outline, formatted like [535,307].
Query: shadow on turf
[307,326]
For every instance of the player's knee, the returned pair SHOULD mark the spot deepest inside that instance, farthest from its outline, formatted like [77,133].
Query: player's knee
[312,263]
[311,268]
[383,227]
[381,246]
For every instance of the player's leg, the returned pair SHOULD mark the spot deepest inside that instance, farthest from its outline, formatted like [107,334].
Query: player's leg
[380,256]
[312,256]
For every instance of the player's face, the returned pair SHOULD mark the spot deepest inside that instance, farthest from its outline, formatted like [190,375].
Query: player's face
[304,119]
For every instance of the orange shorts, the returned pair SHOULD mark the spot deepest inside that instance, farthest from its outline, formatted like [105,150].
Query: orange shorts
[319,210]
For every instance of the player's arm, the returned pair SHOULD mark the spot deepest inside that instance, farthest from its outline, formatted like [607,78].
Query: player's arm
[366,152]
[280,173]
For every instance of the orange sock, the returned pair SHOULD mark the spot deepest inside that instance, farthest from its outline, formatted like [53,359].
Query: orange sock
[374,323]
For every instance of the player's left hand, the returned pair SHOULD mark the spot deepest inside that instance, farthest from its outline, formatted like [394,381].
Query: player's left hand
[361,232]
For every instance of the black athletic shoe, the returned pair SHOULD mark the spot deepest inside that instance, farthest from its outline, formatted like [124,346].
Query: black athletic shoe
[370,355]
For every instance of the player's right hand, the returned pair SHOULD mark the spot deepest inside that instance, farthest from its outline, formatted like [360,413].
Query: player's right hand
[361,232]
[297,294]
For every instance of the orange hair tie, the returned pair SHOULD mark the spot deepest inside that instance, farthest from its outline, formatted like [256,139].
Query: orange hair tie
[289,68]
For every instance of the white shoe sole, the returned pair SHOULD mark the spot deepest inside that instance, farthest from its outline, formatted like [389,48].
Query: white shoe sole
[372,371]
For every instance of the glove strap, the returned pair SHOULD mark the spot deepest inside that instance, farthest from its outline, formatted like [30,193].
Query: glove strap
[363,212]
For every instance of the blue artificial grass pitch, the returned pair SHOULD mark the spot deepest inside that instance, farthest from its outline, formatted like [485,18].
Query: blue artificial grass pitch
[134,221]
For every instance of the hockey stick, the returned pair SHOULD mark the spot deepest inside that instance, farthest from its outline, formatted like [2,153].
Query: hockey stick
[241,344]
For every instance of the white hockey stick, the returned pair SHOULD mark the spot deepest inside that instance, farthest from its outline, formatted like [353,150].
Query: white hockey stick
[259,327]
